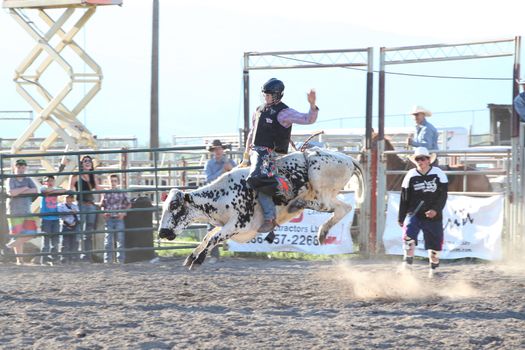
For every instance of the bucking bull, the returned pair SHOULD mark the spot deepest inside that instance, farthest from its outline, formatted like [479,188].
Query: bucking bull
[309,180]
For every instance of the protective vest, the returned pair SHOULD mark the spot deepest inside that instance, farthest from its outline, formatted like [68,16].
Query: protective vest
[269,132]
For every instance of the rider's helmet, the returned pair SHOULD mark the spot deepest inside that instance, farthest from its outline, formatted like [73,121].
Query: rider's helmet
[275,87]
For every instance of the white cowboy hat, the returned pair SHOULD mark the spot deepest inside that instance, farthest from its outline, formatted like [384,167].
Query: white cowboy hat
[422,152]
[420,109]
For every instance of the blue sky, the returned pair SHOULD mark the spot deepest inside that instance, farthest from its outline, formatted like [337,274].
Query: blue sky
[202,46]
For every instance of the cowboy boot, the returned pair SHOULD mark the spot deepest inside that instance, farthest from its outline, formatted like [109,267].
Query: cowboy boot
[267,226]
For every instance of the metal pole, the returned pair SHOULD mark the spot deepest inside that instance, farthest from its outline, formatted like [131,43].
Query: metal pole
[4,227]
[381,107]
[157,197]
[517,151]
[246,89]
[515,125]
[154,108]
[369,95]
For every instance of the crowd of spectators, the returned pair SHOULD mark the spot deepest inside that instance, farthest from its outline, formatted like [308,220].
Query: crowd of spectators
[68,216]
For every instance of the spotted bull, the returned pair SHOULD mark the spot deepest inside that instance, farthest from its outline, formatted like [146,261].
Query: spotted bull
[313,177]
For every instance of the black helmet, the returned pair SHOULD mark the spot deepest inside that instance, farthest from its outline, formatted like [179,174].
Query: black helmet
[275,87]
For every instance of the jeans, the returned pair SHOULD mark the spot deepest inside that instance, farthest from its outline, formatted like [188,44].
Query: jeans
[89,221]
[50,243]
[69,244]
[267,205]
[114,224]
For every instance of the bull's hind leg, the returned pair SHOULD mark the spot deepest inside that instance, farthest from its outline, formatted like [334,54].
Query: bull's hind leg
[335,206]
[198,255]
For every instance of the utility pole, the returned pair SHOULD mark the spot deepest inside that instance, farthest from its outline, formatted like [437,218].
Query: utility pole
[154,108]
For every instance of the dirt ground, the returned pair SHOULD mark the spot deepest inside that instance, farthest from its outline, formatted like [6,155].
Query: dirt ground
[262,304]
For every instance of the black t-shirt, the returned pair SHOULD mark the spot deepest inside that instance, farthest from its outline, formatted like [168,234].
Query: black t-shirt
[431,188]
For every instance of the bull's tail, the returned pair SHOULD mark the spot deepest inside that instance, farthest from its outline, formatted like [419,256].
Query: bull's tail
[361,190]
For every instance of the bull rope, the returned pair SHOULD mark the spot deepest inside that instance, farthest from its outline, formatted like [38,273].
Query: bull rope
[305,143]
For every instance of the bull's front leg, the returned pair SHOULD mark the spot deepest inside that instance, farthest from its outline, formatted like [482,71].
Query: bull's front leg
[212,238]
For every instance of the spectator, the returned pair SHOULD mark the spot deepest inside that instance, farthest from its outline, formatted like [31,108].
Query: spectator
[114,220]
[86,203]
[426,135]
[270,134]
[423,197]
[50,223]
[519,101]
[215,167]
[18,204]
[219,163]
[69,244]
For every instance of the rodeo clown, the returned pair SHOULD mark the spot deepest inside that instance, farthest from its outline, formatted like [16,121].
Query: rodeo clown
[268,137]
[423,197]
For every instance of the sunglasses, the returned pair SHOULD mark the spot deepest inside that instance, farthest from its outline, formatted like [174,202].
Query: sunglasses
[420,159]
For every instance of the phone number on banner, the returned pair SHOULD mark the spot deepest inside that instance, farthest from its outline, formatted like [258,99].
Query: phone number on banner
[283,238]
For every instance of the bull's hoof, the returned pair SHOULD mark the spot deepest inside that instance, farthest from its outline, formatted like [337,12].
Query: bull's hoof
[296,205]
[321,236]
[192,262]
[200,258]
[167,233]
[189,261]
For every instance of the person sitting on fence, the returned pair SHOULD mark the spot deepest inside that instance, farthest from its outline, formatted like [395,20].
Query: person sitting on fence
[114,220]
[50,223]
[18,204]
[70,220]
[426,135]
[86,203]
[219,163]
[519,101]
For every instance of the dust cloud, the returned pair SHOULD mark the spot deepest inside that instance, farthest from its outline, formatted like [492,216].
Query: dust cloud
[369,283]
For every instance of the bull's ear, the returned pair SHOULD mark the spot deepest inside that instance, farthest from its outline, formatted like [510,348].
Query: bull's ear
[177,201]
[187,198]
[179,197]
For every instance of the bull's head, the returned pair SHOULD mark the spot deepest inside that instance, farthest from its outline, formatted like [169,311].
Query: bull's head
[175,215]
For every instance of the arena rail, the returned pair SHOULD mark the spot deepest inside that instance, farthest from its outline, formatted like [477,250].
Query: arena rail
[151,191]
[485,155]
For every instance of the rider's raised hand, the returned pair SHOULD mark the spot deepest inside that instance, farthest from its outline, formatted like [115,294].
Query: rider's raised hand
[311,95]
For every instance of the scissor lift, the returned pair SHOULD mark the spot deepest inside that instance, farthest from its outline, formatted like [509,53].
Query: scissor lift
[51,108]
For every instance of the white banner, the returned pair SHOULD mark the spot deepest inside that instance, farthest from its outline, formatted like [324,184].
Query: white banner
[300,234]
[472,225]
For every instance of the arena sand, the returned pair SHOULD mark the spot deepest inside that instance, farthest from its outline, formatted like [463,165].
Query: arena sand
[241,303]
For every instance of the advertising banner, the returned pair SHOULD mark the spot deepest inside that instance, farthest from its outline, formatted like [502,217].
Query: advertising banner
[300,234]
[473,227]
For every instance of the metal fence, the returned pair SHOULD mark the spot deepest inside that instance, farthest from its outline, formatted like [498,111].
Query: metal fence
[136,184]
[493,162]
[165,168]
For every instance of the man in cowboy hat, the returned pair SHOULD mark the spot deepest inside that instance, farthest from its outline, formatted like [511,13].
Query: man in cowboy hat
[215,167]
[270,134]
[219,163]
[426,134]
[424,194]
[519,101]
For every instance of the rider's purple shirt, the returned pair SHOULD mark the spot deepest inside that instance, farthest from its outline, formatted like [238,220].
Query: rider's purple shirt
[289,116]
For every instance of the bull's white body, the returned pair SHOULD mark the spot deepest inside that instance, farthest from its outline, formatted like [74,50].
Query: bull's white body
[316,177]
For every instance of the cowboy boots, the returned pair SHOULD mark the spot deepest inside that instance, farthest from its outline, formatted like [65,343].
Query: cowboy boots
[267,226]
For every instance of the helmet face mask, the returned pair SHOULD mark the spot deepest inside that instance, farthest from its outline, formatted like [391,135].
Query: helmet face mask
[275,88]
